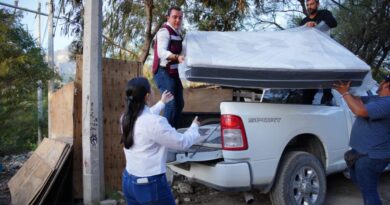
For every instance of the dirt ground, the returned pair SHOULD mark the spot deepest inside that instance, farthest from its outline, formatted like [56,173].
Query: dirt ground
[9,166]
[4,192]
[340,191]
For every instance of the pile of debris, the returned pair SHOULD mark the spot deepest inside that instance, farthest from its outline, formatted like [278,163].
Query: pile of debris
[9,165]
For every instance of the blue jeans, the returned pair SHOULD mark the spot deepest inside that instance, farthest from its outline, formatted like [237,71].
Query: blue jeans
[365,174]
[173,108]
[154,191]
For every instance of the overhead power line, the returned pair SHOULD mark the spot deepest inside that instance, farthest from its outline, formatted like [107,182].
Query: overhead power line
[44,33]
[59,11]
[29,10]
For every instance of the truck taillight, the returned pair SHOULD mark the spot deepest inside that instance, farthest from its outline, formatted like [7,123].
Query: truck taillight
[233,133]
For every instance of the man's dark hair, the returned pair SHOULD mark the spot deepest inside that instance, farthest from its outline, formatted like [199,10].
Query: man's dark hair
[317,1]
[387,78]
[173,8]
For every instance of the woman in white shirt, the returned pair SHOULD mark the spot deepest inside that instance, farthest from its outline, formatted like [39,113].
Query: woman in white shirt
[146,137]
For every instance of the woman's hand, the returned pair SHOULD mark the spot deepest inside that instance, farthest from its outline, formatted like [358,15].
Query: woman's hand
[342,87]
[181,59]
[196,121]
[166,97]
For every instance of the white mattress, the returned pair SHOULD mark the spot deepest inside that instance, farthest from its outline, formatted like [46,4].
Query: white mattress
[296,58]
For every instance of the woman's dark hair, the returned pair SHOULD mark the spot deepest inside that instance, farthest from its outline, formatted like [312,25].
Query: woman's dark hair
[136,90]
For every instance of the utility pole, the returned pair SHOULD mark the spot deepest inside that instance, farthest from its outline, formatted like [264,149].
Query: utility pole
[92,104]
[39,88]
[40,111]
[50,60]
[16,3]
[39,25]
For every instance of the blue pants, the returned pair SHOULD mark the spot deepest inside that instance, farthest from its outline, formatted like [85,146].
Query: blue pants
[365,174]
[153,190]
[173,108]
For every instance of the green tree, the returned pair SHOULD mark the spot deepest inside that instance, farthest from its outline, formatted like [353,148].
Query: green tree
[73,15]
[364,28]
[21,66]
[208,15]
[130,26]
[273,15]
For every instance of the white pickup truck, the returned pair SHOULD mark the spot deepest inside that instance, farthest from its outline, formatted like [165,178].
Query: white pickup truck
[272,143]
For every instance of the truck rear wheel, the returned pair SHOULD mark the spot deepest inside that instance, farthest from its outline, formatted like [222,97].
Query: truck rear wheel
[300,180]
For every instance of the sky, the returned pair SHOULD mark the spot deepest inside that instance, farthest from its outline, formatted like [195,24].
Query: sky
[61,42]
[31,22]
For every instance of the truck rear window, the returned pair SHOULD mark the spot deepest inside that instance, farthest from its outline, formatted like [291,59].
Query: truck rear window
[294,96]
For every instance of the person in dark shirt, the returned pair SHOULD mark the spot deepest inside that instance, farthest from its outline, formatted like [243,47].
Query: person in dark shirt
[314,18]
[370,137]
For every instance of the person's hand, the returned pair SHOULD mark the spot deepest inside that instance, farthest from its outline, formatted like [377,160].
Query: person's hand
[311,24]
[196,121]
[342,87]
[166,97]
[181,59]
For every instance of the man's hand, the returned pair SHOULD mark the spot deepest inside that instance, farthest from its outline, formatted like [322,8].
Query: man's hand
[354,103]
[166,97]
[177,57]
[311,24]
[342,87]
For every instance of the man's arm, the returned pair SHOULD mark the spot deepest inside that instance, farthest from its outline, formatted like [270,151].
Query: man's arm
[329,19]
[354,103]
[163,41]
[162,46]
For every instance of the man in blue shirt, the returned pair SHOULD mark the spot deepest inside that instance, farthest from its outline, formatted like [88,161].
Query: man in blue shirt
[370,137]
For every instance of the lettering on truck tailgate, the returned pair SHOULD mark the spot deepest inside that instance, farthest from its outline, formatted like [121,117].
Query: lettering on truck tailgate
[264,119]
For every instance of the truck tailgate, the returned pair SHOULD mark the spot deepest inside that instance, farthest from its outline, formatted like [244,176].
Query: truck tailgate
[210,149]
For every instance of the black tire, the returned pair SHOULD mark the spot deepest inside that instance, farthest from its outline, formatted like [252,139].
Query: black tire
[300,180]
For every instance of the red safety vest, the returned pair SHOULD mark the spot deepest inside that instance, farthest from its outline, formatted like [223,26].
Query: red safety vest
[175,46]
